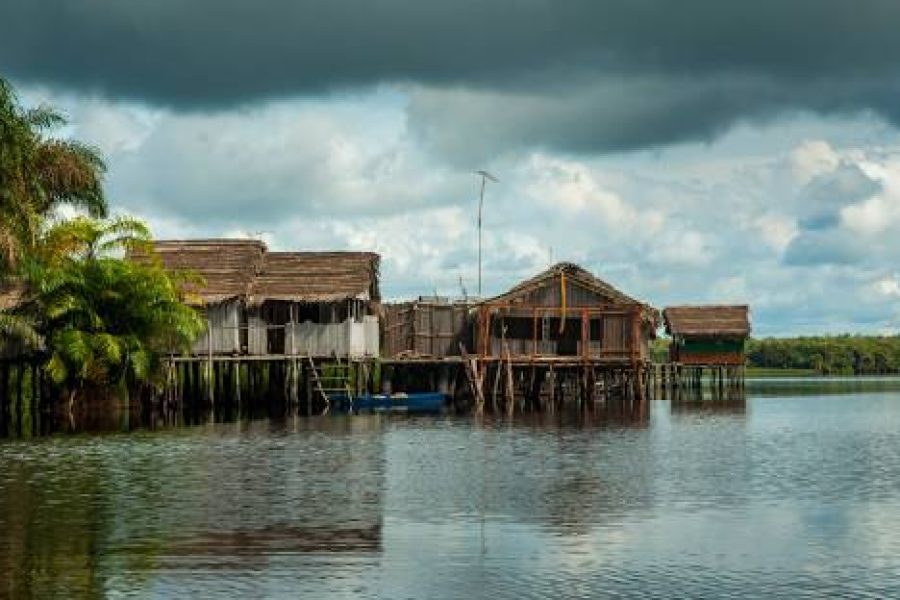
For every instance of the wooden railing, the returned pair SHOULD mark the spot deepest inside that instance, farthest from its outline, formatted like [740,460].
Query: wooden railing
[617,335]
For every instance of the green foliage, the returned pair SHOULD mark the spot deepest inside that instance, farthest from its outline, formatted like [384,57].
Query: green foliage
[105,320]
[828,355]
[659,349]
[99,318]
[38,173]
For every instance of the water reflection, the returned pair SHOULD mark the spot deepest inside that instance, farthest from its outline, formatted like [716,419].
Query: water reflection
[90,510]
[764,496]
[734,403]
[821,386]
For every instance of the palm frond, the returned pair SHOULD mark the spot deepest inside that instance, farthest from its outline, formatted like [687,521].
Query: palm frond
[44,117]
[20,328]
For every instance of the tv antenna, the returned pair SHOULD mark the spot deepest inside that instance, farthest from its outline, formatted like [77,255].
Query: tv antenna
[484,178]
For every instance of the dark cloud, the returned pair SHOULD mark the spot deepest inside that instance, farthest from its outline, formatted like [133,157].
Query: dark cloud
[686,69]
[823,198]
[826,247]
[822,239]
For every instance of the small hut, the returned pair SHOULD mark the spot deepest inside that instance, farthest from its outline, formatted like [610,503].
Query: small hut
[566,313]
[315,303]
[258,302]
[707,335]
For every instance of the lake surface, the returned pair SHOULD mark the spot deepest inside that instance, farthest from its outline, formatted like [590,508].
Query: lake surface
[792,492]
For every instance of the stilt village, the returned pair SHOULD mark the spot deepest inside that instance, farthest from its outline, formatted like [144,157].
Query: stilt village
[311,330]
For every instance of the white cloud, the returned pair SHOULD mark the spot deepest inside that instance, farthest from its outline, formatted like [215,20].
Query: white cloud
[682,249]
[811,159]
[797,233]
[573,187]
[880,212]
[887,286]
[776,230]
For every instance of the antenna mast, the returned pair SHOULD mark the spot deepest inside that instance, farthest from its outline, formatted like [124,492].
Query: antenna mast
[484,177]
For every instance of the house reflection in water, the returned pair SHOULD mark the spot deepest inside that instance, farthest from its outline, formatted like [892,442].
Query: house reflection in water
[224,496]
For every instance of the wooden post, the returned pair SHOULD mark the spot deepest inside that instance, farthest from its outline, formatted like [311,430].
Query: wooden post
[510,385]
[4,396]
[34,390]
[20,393]
[295,389]
[289,329]
[585,335]
[210,383]
[552,400]
[237,385]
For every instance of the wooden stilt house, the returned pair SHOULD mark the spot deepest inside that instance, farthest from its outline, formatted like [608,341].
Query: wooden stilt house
[566,314]
[707,335]
[258,302]
[315,303]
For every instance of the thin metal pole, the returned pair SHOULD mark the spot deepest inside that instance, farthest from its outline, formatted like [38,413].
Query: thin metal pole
[480,205]
[484,177]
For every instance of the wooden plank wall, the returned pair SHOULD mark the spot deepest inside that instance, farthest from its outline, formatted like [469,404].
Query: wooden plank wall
[346,338]
[224,321]
[612,336]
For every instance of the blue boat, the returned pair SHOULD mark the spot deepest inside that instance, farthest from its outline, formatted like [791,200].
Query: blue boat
[416,402]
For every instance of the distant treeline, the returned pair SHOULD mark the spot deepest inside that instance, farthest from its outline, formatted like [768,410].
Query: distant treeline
[828,355]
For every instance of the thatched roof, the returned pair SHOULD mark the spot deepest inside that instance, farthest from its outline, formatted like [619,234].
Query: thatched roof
[246,270]
[228,267]
[708,321]
[317,277]
[575,274]
[578,276]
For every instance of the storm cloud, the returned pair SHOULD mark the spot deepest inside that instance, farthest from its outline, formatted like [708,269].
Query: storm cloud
[579,75]
[691,151]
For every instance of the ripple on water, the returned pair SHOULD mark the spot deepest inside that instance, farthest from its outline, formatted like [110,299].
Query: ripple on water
[782,496]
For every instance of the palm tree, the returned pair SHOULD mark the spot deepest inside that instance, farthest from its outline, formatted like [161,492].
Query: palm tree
[38,173]
[105,319]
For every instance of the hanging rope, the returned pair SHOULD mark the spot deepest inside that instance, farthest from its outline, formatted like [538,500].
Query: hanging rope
[562,308]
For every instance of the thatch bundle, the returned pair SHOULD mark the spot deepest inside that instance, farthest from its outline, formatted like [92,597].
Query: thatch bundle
[711,321]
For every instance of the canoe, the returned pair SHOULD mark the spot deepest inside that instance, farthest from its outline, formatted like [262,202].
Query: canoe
[418,402]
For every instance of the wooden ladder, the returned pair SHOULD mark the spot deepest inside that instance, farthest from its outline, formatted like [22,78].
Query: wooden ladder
[475,378]
[338,382]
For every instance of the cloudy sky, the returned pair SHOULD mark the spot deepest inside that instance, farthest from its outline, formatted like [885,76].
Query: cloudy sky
[691,151]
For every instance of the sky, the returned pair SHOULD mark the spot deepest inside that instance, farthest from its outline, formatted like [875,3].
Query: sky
[697,151]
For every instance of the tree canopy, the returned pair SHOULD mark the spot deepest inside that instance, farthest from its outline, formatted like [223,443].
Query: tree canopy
[828,355]
[105,319]
[96,317]
[39,173]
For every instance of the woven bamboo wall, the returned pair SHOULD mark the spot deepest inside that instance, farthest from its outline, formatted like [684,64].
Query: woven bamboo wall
[420,329]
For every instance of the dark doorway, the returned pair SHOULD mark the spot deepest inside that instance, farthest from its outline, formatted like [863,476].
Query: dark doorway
[567,343]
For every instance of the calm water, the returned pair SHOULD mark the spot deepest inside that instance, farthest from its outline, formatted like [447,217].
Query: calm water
[794,492]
